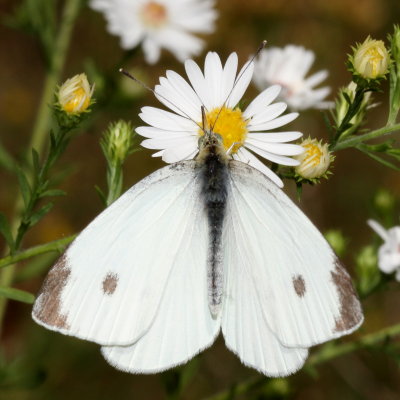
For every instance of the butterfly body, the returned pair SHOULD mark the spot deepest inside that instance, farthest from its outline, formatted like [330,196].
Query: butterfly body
[213,170]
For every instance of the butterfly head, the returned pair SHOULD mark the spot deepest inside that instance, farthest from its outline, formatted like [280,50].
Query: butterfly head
[211,143]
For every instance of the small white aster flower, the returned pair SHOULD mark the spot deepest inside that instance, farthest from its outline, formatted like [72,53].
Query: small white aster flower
[288,67]
[158,24]
[219,90]
[389,252]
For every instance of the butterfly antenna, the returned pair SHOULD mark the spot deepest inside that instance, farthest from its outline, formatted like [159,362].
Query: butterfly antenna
[262,45]
[185,115]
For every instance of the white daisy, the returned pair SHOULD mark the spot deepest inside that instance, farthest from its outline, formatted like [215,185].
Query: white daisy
[288,67]
[219,90]
[389,252]
[159,24]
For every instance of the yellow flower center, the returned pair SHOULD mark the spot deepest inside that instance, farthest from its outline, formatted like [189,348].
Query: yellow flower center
[375,59]
[314,154]
[78,101]
[154,14]
[228,123]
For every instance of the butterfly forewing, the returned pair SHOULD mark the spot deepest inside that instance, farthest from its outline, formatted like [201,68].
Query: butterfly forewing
[108,285]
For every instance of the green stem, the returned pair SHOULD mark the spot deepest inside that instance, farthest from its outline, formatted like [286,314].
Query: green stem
[326,353]
[40,130]
[56,245]
[355,140]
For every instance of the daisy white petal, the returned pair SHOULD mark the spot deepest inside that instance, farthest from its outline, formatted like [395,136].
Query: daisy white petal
[275,158]
[165,119]
[241,84]
[175,154]
[264,99]
[154,133]
[276,148]
[274,137]
[246,157]
[276,123]
[269,113]
[158,154]
[168,142]
[213,77]
[197,81]
[288,67]
[228,76]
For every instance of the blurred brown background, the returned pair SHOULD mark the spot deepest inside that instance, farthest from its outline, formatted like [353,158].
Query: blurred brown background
[46,365]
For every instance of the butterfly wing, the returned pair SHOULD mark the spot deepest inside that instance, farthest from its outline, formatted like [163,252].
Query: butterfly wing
[183,324]
[294,278]
[108,285]
[244,325]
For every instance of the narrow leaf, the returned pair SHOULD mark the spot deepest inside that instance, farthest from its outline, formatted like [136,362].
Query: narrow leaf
[17,294]
[6,160]
[36,161]
[38,215]
[6,231]
[53,192]
[378,158]
[24,186]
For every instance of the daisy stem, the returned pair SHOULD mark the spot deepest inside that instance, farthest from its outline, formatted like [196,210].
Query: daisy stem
[40,130]
[355,140]
[325,354]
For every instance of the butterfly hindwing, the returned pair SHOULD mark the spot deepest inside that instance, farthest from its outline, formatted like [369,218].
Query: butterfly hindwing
[304,292]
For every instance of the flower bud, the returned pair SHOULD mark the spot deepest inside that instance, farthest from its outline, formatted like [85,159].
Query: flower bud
[118,141]
[342,106]
[368,275]
[75,94]
[314,161]
[371,59]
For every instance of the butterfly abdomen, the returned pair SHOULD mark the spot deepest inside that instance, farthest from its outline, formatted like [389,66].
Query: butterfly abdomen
[214,175]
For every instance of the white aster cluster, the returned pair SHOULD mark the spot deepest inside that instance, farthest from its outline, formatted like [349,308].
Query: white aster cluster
[157,24]
[288,67]
[389,252]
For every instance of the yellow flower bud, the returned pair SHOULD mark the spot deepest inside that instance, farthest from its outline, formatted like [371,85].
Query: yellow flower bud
[74,95]
[314,161]
[371,59]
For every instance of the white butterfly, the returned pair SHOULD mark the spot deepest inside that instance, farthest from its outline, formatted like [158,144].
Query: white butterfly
[198,247]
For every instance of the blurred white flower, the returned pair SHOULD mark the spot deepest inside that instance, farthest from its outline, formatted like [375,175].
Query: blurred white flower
[159,24]
[389,252]
[288,67]
[219,90]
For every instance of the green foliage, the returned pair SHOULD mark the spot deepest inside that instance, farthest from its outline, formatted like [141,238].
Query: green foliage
[17,294]
[117,143]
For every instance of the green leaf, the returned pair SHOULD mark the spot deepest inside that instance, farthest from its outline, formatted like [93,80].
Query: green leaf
[52,192]
[6,160]
[6,231]
[377,158]
[24,186]
[38,215]
[36,161]
[17,294]
[101,195]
